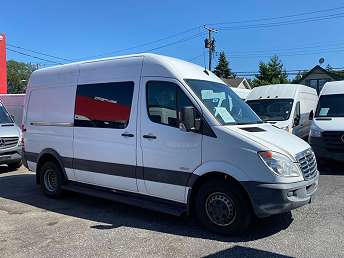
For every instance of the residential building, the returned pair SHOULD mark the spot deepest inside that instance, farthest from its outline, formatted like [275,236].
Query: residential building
[240,83]
[318,76]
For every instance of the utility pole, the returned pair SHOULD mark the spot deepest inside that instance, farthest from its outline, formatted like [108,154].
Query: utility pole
[210,44]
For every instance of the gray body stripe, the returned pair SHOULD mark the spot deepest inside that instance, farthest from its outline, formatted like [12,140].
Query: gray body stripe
[105,168]
[144,173]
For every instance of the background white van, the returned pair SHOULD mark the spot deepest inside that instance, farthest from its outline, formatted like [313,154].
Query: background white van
[10,140]
[327,130]
[287,106]
[164,134]
[14,104]
[242,93]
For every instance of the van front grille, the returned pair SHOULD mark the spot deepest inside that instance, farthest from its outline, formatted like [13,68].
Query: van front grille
[8,142]
[308,164]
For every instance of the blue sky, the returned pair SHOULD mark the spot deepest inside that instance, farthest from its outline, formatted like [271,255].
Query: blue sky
[85,29]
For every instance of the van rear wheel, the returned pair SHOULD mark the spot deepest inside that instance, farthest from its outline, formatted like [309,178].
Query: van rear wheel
[51,179]
[223,208]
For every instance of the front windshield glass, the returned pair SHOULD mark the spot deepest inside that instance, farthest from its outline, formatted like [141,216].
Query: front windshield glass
[223,103]
[5,117]
[272,109]
[330,106]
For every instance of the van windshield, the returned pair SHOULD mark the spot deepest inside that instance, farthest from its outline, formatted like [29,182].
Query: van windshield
[5,117]
[223,103]
[272,109]
[330,106]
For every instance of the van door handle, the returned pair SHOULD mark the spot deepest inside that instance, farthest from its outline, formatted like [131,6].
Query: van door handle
[127,135]
[149,136]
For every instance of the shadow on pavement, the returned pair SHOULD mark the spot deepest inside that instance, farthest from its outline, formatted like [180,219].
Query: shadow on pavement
[109,215]
[5,169]
[239,251]
[327,167]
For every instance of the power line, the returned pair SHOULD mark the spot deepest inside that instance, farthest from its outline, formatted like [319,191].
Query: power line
[146,43]
[195,57]
[177,42]
[40,53]
[36,57]
[284,23]
[289,72]
[304,47]
[299,53]
[279,17]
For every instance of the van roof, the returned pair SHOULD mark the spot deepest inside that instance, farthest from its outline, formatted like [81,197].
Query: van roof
[336,87]
[154,65]
[281,91]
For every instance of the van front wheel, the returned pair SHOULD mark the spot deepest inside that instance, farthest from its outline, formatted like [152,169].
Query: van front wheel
[51,180]
[223,208]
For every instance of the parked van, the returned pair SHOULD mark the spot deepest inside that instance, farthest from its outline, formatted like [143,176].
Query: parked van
[14,104]
[10,140]
[287,106]
[327,130]
[242,93]
[164,134]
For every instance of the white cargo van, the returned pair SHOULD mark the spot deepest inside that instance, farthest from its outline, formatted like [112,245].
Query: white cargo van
[287,106]
[327,130]
[164,134]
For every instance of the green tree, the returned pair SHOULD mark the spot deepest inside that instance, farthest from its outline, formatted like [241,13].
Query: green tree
[222,69]
[18,74]
[339,73]
[271,73]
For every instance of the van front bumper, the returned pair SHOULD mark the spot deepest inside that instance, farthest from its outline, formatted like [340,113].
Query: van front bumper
[12,155]
[270,199]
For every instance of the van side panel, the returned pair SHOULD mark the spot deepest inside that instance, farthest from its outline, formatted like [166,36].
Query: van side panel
[308,102]
[49,121]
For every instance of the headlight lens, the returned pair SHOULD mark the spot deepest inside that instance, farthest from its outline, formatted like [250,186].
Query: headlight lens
[315,132]
[280,164]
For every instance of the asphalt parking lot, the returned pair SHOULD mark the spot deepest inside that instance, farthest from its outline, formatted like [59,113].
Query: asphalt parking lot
[32,225]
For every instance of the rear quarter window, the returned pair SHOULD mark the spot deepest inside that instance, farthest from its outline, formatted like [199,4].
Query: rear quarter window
[54,105]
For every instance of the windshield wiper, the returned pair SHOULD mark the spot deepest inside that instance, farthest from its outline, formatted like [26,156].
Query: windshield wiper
[250,123]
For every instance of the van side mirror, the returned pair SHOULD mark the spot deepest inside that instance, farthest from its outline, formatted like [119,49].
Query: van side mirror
[189,120]
[311,115]
[297,116]
[296,120]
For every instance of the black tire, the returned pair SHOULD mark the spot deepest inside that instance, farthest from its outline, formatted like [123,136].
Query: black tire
[15,166]
[51,179]
[223,208]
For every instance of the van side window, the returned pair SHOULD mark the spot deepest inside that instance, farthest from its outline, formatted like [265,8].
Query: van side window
[165,101]
[103,105]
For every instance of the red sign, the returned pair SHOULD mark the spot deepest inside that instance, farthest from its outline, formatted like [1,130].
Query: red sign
[3,68]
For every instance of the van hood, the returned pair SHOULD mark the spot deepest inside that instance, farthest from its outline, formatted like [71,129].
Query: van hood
[9,130]
[279,124]
[272,138]
[330,124]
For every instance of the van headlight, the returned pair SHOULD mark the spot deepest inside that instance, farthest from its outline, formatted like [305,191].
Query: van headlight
[280,164]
